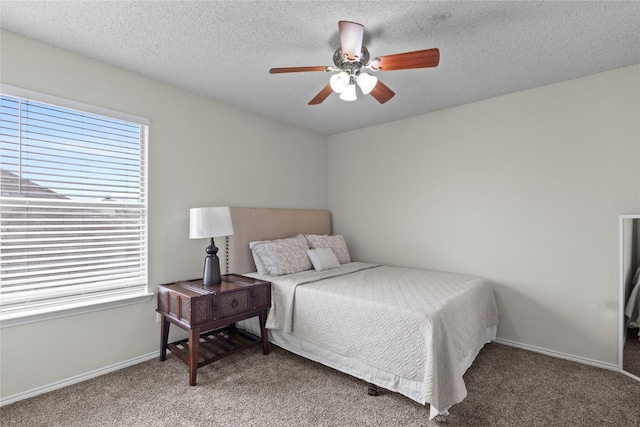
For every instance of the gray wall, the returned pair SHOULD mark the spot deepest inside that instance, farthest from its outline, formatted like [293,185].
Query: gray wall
[201,153]
[524,189]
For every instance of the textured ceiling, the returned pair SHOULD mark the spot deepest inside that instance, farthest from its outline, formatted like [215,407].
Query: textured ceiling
[224,49]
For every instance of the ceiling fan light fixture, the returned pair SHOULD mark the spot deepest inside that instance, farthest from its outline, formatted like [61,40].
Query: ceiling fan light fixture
[349,94]
[367,82]
[351,59]
[339,82]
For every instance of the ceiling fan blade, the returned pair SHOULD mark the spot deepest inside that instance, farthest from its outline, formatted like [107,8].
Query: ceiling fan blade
[381,92]
[351,34]
[295,69]
[322,95]
[404,61]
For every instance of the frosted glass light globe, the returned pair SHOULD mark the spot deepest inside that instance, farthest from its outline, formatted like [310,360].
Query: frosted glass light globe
[339,82]
[367,82]
[349,93]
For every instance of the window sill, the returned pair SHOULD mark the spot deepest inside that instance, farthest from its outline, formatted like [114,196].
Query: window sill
[23,317]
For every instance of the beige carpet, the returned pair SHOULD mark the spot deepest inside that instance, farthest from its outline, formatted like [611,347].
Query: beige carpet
[507,387]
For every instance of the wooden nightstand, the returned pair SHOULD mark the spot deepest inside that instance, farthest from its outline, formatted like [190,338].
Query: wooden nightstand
[199,309]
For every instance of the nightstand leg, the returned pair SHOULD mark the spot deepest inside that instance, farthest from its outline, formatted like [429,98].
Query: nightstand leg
[194,346]
[263,331]
[164,338]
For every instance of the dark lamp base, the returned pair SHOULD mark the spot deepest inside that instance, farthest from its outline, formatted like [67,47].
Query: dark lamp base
[211,273]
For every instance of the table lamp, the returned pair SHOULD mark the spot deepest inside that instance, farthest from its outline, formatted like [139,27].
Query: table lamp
[209,223]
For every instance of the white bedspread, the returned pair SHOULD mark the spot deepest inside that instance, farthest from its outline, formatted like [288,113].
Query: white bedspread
[416,324]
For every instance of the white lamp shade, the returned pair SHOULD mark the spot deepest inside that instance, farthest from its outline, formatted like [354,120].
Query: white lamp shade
[210,222]
[349,93]
[367,82]
[339,82]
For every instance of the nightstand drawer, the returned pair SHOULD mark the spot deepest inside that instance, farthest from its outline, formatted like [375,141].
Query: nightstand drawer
[190,305]
[233,303]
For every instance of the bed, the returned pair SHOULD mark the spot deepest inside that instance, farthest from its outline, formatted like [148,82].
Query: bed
[632,309]
[411,331]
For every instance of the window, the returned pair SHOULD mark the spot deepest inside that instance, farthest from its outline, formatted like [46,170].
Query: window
[73,206]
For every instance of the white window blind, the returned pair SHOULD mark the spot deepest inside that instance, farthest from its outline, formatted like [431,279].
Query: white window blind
[73,206]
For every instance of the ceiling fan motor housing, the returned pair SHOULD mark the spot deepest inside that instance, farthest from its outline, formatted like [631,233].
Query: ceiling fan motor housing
[352,67]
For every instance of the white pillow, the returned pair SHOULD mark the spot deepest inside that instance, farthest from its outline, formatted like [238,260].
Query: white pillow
[284,256]
[260,268]
[323,259]
[337,243]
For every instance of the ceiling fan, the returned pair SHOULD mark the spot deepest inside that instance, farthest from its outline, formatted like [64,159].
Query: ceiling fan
[351,60]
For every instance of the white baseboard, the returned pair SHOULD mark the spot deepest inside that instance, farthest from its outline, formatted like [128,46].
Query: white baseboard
[78,378]
[578,359]
[629,374]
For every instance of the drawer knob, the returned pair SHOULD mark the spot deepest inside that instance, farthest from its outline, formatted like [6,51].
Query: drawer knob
[234,303]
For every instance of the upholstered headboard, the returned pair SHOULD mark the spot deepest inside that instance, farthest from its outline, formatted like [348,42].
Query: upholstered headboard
[250,224]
